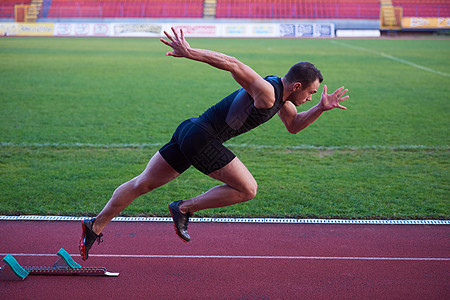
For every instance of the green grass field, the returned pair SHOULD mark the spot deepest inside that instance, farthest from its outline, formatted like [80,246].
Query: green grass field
[79,117]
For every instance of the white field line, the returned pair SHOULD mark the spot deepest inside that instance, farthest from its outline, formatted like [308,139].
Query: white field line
[392,58]
[262,257]
[80,145]
[254,146]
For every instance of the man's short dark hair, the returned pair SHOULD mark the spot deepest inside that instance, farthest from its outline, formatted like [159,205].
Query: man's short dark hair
[305,73]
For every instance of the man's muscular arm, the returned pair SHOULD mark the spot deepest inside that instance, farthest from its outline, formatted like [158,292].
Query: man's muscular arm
[260,90]
[296,122]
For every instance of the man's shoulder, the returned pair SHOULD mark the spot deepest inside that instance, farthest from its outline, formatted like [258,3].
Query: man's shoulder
[277,84]
[275,81]
[272,78]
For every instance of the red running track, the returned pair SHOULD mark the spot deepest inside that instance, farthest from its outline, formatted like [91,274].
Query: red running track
[236,261]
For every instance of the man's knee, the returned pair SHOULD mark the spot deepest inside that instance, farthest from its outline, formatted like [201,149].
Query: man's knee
[142,186]
[250,191]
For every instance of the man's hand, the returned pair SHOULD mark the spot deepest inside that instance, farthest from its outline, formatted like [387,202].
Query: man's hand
[331,101]
[179,45]
[259,89]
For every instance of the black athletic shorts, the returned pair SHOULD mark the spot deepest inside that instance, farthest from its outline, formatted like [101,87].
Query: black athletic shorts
[194,145]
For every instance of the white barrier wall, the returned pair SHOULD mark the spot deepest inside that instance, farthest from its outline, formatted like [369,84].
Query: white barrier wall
[229,30]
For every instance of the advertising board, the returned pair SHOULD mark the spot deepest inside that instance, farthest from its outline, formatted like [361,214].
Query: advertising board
[136,30]
[426,23]
[144,29]
[82,29]
[307,30]
[26,29]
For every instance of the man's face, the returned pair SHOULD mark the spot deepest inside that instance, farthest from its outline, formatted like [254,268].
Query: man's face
[301,95]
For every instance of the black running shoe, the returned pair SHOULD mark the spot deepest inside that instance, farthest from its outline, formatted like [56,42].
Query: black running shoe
[88,237]
[180,220]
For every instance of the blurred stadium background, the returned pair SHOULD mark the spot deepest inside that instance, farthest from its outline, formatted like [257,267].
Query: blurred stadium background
[351,17]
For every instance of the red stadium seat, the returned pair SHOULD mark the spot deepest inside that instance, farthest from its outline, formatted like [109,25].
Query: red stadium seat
[429,8]
[7,7]
[355,9]
[126,9]
[256,9]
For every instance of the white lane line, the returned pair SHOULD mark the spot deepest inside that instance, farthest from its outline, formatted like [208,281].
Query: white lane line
[236,220]
[392,58]
[264,257]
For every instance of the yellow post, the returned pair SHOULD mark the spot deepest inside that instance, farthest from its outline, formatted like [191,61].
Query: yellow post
[391,17]
[209,9]
[20,12]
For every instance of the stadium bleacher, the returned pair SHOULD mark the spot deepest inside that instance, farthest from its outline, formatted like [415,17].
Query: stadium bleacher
[126,9]
[281,9]
[420,8]
[249,9]
[7,7]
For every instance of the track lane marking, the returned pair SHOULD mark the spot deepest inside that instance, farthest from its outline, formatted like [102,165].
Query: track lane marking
[266,257]
[236,220]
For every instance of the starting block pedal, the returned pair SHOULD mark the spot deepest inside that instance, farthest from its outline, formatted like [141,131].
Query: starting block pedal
[13,270]
[65,265]
[65,261]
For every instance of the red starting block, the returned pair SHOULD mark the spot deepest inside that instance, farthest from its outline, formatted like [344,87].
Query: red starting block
[65,265]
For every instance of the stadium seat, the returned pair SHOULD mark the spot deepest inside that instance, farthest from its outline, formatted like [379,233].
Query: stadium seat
[126,9]
[355,9]
[7,7]
[429,8]
[252,9]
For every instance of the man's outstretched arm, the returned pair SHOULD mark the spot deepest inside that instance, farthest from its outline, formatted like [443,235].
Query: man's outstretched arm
[260,90]
[296,122]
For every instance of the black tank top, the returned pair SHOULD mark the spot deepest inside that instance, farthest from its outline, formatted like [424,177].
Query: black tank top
[237,114]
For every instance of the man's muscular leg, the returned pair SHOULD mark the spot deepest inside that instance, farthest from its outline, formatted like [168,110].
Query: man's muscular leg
[240,186]
[157,173]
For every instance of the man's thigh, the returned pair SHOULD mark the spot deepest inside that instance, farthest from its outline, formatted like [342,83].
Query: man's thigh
[158,172]
[236,175]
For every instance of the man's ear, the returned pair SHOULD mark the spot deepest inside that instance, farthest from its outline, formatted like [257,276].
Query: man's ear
[296,86]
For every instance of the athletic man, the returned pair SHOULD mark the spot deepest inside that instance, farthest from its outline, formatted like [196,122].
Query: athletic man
[199,141]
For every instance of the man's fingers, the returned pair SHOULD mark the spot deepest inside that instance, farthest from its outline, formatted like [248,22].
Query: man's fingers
[171,53]
[343,98]
[175,33]
[336,92]
[181,34]
[340,100]
[168,35]
[164,41]
[173,40]
[333,100]
[342,93]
